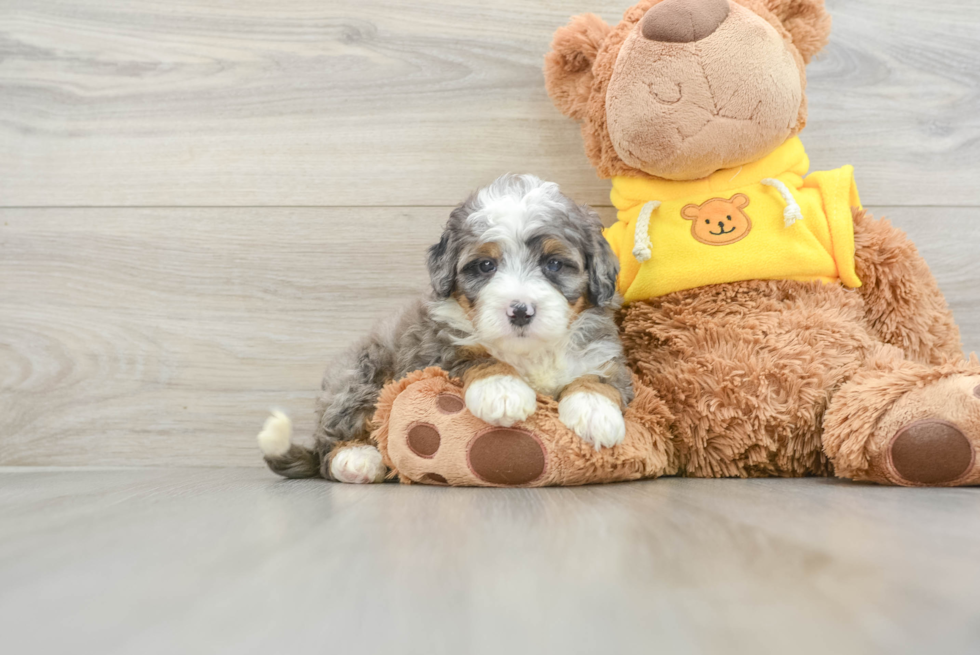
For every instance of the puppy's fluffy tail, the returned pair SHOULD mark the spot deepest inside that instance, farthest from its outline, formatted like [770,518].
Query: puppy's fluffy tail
[287,459]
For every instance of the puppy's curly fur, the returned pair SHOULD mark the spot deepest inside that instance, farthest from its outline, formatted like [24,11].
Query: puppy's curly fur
[522,302]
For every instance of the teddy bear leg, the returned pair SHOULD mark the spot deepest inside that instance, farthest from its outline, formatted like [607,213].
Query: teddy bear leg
[905,423]
[426,435]
[904,305]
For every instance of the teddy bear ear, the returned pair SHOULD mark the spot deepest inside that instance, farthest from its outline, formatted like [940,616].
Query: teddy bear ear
[691,212]
[807,21]
[568,67]
[740,200]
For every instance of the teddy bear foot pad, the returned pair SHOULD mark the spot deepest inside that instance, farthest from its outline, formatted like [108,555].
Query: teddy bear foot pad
[931,452]
[496,456]
[425,444]
[938,436]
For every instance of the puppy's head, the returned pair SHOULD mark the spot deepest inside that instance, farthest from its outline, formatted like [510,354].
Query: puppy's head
[521,261]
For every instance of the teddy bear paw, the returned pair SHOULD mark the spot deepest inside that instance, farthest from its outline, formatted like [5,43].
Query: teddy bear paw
[432,438]
[932,435]
[930,452]
[501,400]
[594,417]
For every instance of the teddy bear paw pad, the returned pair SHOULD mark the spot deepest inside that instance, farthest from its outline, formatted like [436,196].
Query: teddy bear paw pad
[931,452]
[449,404]
[506,457]
[424,440]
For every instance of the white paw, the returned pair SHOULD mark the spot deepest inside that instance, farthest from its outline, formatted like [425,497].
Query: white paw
[357,465]
[593,417]
[275,435]
[501,400]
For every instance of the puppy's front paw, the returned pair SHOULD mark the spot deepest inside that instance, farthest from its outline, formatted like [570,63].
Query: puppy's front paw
[501,400]
[595,418]
[357,465]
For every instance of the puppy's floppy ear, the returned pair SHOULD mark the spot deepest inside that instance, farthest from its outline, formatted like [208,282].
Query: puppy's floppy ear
[600,261]
[568,67]
[444,256]
[807,21]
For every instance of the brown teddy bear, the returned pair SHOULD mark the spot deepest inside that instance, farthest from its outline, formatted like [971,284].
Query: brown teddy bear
[773,327]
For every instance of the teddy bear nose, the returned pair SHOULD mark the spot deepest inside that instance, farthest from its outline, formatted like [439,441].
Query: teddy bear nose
[684,21]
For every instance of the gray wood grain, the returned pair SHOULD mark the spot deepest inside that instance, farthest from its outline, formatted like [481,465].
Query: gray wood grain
[134,102]
[236,561]
[163,336]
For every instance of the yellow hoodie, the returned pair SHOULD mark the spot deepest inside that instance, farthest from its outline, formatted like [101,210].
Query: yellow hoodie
[762,221]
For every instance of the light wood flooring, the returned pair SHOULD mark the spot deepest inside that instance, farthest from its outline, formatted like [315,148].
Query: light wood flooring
[237,561]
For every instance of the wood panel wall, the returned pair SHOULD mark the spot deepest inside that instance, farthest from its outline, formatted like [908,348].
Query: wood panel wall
[201,201]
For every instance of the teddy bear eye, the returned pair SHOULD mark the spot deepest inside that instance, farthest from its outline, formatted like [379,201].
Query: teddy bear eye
[729,217]
[707,221]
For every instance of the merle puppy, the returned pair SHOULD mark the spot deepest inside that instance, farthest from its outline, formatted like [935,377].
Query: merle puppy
[522,302]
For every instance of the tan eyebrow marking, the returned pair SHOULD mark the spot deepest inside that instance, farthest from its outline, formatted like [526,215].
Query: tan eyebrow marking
[489,249]
[555,247]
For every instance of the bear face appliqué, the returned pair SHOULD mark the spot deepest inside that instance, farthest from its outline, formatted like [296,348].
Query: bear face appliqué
[719,222]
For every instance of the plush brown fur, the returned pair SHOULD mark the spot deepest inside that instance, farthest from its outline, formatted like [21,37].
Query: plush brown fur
[749,369]
[807,22]
[568,67]
[903,304]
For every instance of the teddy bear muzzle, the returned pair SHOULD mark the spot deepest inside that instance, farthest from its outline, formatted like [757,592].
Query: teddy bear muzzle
[684,21]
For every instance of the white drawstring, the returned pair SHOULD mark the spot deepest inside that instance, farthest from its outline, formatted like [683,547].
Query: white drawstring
[792,213]
[642,247]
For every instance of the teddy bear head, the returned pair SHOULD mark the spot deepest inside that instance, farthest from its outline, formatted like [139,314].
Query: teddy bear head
[680,89]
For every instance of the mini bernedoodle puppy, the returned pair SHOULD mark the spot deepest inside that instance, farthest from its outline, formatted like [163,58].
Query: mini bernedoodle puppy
[523,297]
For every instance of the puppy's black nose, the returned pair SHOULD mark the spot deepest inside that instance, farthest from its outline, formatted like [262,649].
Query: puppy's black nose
[519,314]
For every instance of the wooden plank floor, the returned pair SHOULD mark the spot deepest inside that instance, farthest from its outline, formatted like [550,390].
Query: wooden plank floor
[236,561]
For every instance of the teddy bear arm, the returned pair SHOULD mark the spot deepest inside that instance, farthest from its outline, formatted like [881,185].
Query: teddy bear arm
[903,304]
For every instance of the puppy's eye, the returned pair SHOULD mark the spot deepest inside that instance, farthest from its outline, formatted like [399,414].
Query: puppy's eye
[487,266]
[554,265]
